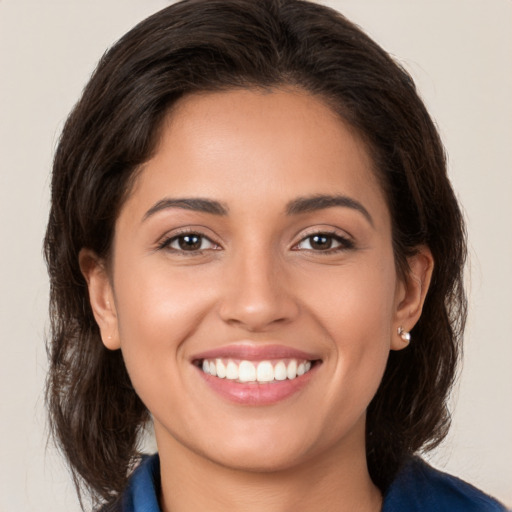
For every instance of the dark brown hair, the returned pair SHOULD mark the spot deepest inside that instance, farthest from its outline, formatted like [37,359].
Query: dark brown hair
[209,45]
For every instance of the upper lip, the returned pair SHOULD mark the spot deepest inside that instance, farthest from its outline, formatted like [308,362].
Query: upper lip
[255,352]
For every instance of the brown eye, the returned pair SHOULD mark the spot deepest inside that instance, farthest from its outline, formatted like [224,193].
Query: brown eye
[325,242]
[188,242]
[320,242]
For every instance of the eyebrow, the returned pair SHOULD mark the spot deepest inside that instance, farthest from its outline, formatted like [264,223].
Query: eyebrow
[295,207]
[320,202]
[195,204]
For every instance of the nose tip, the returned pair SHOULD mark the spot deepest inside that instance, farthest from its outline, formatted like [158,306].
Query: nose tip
[254,317]
[258,302]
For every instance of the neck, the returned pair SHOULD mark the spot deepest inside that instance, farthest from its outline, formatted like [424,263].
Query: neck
[331,482]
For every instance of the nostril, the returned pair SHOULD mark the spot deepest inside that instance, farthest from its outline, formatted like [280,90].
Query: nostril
[257,318]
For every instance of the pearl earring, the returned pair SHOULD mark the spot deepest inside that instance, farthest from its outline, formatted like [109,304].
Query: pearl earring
[405,335]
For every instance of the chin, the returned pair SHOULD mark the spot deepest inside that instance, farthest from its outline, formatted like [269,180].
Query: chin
[258,460]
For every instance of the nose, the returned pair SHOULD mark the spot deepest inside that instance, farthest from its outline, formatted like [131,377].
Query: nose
[257,293]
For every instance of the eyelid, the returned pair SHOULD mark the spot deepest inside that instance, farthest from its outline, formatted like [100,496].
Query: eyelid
[165,241]
[345,239]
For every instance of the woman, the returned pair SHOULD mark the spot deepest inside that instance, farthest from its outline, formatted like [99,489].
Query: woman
[250,214]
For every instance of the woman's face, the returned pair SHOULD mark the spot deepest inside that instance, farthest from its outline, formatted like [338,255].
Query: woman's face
[255,246]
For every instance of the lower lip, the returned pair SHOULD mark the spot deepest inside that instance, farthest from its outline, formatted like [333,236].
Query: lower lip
[254,393]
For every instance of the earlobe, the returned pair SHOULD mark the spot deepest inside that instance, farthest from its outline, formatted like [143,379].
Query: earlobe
[100,297]
[411,294]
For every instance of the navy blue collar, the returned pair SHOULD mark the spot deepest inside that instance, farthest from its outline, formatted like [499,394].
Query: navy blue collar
[421,488]
[417,488]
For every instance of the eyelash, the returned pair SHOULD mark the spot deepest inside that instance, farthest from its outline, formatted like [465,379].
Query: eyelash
[168,241]
[344,242]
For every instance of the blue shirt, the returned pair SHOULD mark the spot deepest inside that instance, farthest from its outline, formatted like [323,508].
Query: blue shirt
[417,488]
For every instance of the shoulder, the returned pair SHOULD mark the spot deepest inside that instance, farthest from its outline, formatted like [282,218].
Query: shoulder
[141,494]
[420,488]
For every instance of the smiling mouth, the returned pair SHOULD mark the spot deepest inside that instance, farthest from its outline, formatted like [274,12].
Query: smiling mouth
[259,372]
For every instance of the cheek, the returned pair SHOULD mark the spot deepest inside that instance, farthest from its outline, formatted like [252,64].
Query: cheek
[354,300]
[354,305]
[157,310]
[158,304]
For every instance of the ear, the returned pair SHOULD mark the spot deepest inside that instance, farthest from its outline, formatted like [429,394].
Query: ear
[101,297]
[411,293]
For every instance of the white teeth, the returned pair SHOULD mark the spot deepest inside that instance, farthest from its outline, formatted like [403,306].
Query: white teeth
[246,371]
[280,371]
[221,369]
[232,371]
[265,372]
[291,371]
[249,371]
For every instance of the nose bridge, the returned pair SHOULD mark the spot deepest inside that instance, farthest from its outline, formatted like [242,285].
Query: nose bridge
[256,294]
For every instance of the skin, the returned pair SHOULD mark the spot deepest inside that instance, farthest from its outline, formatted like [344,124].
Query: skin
[257,280]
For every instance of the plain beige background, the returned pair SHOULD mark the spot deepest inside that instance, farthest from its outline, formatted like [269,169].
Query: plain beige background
[460,54]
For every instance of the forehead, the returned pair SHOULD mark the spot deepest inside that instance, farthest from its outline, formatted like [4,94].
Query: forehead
[259,145]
